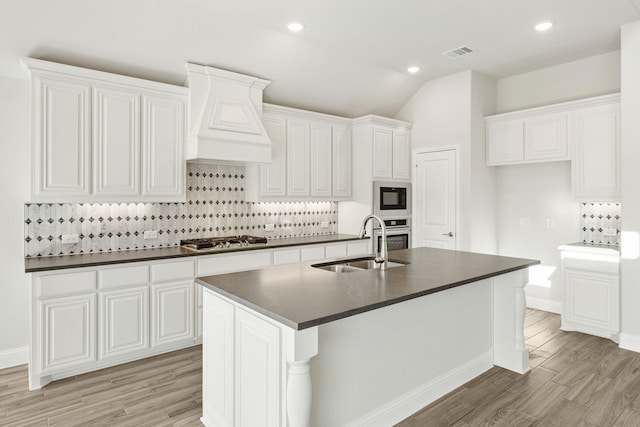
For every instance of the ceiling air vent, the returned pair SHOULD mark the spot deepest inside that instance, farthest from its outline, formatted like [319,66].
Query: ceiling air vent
[458,52]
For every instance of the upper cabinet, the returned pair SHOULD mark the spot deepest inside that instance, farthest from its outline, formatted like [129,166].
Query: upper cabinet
[537,138]
[388,144]
[100,137]
[586,131]
[311,157]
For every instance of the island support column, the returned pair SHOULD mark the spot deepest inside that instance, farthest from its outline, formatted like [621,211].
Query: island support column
[509,305]
[301,347]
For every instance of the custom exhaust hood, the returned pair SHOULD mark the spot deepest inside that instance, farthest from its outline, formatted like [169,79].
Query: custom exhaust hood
[225,117]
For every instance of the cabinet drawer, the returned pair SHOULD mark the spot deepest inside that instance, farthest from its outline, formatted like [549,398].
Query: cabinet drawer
[172,271]
[217,264]
[286,256]
[65,284]
[123,276]
[313,253]
[357,248]
[335,251]
[591,265]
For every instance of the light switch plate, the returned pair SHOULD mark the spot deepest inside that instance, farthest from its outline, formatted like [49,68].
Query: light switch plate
[609,232]
[150,234]
[269,227]
[324,224]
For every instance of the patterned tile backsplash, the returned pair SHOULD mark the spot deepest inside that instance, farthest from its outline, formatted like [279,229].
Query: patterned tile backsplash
[215,206]
[595,218]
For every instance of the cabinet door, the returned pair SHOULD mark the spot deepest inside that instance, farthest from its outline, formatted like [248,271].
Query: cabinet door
[297,157]
[163,139]
[61,138]
[171,313]
[382,152]
[401,155]
[273,179]
[116,143]
[258,372]
[591,302]
[321,147]
[596,166]
[341,161]
[68,332]
[546,137]
[505,142]
[123,323]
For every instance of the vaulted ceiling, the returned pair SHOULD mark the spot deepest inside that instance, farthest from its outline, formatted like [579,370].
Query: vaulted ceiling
[350,59]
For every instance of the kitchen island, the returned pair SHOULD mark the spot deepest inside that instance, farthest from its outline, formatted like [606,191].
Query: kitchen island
[306,346]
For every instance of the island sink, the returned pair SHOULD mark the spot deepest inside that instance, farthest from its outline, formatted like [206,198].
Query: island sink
[356,264]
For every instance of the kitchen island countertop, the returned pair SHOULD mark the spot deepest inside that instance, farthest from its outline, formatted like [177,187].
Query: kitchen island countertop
[301,296]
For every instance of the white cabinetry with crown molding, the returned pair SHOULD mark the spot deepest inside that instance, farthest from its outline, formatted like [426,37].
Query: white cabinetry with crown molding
[101,137]
[311,157]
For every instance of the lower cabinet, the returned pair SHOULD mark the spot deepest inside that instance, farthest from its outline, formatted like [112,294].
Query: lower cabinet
[123,321]
[68,338]
[591,295]
[171,312]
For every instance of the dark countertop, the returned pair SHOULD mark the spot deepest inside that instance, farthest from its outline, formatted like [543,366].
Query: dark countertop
[34,264]
[301,296]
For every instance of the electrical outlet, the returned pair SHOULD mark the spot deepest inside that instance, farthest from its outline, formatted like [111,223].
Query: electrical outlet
[609,232]
[70,238]
[324,224]
[550,223]
[150,234]
[269,227]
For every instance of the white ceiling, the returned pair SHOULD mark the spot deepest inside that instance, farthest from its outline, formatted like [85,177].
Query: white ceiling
[350,59]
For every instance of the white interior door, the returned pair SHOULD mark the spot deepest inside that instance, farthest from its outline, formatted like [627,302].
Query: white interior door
[435,200]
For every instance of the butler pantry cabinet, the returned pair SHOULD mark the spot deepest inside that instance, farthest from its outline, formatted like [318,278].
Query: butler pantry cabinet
[100,137]
[311,157]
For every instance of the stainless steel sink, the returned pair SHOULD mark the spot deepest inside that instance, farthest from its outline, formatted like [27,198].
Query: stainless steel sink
[356,264]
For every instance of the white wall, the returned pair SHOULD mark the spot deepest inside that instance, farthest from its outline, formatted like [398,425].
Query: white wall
[593,76]
[630,269]
[14,187]
[543,190]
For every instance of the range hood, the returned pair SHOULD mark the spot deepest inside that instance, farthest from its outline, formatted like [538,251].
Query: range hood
[225,117]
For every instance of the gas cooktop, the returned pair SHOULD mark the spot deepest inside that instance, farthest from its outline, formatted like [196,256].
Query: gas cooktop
[209,243]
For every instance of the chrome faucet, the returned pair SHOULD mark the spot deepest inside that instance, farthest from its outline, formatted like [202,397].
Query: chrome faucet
[383,256]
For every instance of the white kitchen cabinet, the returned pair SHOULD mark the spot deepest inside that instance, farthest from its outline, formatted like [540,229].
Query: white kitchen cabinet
[596,163]
[536,138]
[311,158]
[163,147]
[123,324]
[258,372]
[321,160]
[172,318]
[286,256]
[591,301]
[273,176]
[341,164]
[61,138]
[298,146]
[116,142]
[382,152]
[401,155]
[546,137]
[101,137]
[67,332]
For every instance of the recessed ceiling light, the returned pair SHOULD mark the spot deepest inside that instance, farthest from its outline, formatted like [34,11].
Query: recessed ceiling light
[413,69]
[543,26]
[295,26]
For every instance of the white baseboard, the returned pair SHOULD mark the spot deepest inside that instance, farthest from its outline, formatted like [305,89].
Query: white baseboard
[544,304]
[407,404]
[14,357]
[629,342]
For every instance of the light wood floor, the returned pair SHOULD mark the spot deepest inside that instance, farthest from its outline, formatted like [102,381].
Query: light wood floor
[576,380]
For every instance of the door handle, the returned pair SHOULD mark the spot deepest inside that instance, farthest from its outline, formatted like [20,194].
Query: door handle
[450,234]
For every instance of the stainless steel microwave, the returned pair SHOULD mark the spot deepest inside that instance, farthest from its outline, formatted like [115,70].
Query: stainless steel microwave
[392,199]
